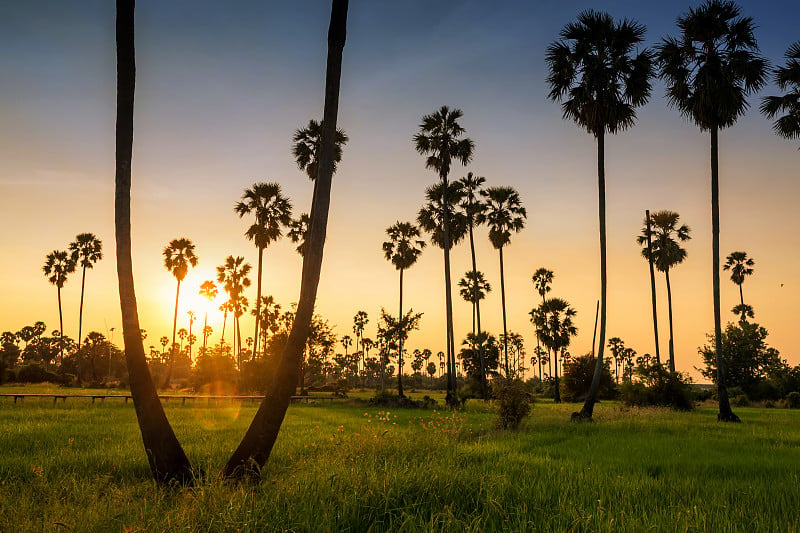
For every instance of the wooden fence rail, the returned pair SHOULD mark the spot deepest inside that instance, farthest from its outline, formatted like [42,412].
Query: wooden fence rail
[166,398]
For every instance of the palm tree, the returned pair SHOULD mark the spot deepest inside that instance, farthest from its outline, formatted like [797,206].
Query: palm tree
[226,307]
[209,291]
[664,235]
[168,462]
[86,251]
[298,232]
[649,235]
[273,211]
[58,265]
[709,71]
[542,279]
[503,214]
[740,266]
[474,288]
[233,276]
[553,320]
[306,143]
[256,446]
[787,79]
[440,140]
[600,82]
[359,322]
[402,249]
[178,257]
[192,317]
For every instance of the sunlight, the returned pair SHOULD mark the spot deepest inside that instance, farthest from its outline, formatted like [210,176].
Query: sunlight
[217,414]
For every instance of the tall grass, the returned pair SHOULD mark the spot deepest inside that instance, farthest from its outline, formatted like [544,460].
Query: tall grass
[340,467]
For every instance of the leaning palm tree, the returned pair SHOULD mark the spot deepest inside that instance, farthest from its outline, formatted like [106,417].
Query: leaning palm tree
[740,266]
[787,79]
[402,250]
[709,71]
[209,291]
[503,214]
[273,212]
[600,81]
[58,265]
[542,279]
[86,251]
[554,324]
[178,257]
[664,235]
[168,462]
[447,227]
[256,446]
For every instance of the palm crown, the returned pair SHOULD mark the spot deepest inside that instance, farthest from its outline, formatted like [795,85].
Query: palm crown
[273,211]
[787,79]
[178,256]
[233,275]
[554,324]
[57,265]
[404,246]
[471,203]
[542,279]
[208,290]
[439,138]
[503,214]
[740,266]
[298,232]
[86,249]
[474,286]
[430,216]
[664,231]
[306,144]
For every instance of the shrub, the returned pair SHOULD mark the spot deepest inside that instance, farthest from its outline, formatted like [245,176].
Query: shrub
[740,401]
[384,398]
[513,401]
[35,372]
[577,378]
[657,386]
[793,400]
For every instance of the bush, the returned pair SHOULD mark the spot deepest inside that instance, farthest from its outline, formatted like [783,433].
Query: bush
[793,400]
[740,401]
[577,378]
[35,372]
[701,395]
[659,387]
[513,401]
[384,398]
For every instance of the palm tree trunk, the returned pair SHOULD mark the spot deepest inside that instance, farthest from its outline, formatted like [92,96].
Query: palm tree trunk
[80,312]
[594,334]
[481,358]
[556,387]
[653,287]
[726,414]
[168,379]
[741,299]
[503,302]
[451,364]
[400,342]
[224,322]
[61,332]
[669,307]
[168,462]
[258,304]
[205,336]
[591,397]
[256,446]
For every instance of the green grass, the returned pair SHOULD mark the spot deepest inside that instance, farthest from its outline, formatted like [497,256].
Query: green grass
[344,467]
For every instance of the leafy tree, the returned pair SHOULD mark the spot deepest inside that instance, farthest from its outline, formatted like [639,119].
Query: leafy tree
[178,257]
[664,235]
[600,81]
[740,266]
[709,71]
[555,328]
[58,265]
[395,332]
[578,374]
[402,249]
[787,79]
[440,139]
[86,250]
[209,291]
[503,214]
[273,212]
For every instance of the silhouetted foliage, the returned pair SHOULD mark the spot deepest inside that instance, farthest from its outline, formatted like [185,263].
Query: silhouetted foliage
[513,400]
[657,386]
[787,79]
[577,378]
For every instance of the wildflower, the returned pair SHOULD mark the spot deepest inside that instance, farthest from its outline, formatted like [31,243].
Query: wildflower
[38,470]
[70,441]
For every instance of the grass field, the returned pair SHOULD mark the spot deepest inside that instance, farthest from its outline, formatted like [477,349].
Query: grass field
[347,467]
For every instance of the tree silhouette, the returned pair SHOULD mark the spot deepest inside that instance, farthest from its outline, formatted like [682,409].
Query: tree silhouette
[58,265]
[273,212]
[542,279]
[787,79]
[209,291]
[359,322]
[298,232]
[473,289]
[256,446]
[233,276]
[600,82]
[740,266]
[168,462]
[709,71]
[664,235]
[86,251]
[555,328]
[178,257]
[503,214]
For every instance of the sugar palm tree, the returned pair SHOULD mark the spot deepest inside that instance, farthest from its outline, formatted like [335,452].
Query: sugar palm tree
[787,79]
[298,232]
[664,236]
[740,266]
[209,291]
[256,446]
[600,80]
[402,250]
[273,212]
[554,324]
[86,251]
[503,215]
[178,257]
[473,289]
[233,276]
[168,462]
[359,322]
[542,279]
[709,71]
[58,265]
[226,307]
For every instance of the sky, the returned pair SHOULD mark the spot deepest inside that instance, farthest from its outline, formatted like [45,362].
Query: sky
[221,87]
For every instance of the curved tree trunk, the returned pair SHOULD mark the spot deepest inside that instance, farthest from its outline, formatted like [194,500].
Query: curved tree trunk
[503,302]
[258,304]
[588,405]
[256,446]
[671,342]
[653,286]
[594,333]
[168,462]
[726,414]
[400,342]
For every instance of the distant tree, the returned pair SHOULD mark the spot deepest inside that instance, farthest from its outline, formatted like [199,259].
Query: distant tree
[577,378]
[473,289]
[617,348]
[542,279]
[396,331]
[86,250]
[555,328]
[233,276]
[431,368]
[787,79]
[178,257]
[516,346]
[472,347]
[709,71]
[440,139]
[298,231]
[58,265]
[600,78]
[273,212]
[360,320]
[402,249]
[740,266]
[209,291]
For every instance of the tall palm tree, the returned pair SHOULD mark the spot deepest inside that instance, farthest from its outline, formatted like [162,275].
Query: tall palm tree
[233,276]
[664,236]
[256,446]
[359,322]
[209,291]
[787,79]
[178,257]
[554,324]
[402,249]
[653,300]
[58,265]
[473,289]
[168,462]
[273,212]
[226,307]
[600,81]
[709,71]
[298,232]
[86,251]
[542,279]
[503,214]
[740,266]
[440,139]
